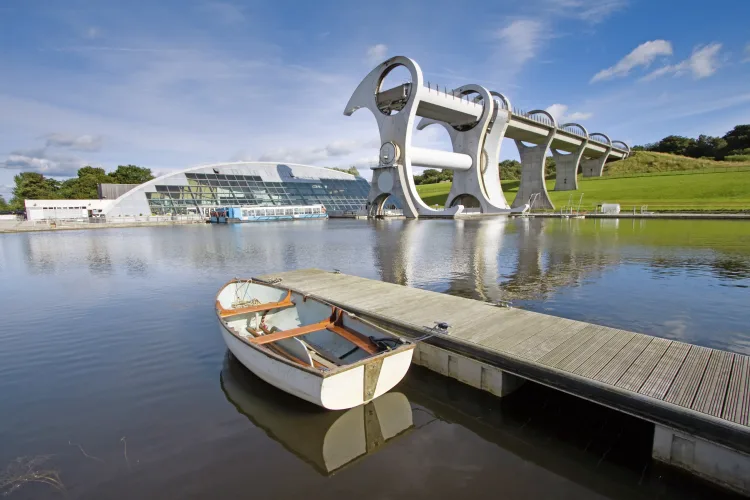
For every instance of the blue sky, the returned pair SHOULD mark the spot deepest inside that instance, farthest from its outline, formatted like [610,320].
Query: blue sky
[172,84]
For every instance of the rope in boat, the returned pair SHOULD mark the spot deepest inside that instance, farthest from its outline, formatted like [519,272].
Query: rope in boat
[242,301]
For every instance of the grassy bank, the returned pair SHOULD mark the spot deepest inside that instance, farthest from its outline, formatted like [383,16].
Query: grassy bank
[664,183]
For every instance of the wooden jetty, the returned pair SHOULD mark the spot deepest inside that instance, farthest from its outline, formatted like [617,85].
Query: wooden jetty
[698,398]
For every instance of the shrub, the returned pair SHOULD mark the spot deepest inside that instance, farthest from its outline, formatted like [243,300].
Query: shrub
[737,158]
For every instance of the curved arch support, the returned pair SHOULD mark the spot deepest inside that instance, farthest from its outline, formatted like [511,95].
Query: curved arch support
[594,167]
[567,164]
[624,146]
[503,99]
[606,141]
[533,189]
[553,121]
[492,144]
[578,126]
[481,182]
[397,129]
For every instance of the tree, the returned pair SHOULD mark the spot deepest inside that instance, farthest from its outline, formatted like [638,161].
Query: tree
[3,205]
[707,146]
[737,139]
[550,168]
[33,186]
[351,170]
[84,187]
[131,174]
[675,144]
[510,170]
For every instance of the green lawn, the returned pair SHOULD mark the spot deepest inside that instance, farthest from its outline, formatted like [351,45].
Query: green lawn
[667,191]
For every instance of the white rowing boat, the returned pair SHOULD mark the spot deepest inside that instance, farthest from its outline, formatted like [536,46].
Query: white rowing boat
[307,347]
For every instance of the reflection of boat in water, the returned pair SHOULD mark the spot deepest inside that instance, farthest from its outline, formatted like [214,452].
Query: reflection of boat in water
[328,440]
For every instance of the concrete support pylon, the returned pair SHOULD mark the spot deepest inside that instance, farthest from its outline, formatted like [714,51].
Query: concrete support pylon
[394,174]
[567,164]
[479,186]
[594,167]
[533,160]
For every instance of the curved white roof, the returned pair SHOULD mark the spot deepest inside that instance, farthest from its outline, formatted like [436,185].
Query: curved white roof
[134,202]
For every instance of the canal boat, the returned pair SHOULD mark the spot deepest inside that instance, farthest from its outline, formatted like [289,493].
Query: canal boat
[307,347]
[254,213]
[327,440]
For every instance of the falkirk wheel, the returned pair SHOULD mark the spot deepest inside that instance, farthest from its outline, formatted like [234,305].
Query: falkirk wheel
[477,120]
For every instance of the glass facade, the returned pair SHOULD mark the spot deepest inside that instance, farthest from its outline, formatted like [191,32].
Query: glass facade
[206,190]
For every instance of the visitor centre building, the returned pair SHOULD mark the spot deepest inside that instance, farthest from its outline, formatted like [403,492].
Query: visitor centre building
[198,190]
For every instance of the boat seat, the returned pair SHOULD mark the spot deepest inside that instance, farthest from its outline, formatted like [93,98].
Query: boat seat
[357,340]
[294,332]
[226,313]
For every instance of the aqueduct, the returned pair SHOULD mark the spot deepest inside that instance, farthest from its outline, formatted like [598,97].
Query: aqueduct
[477,120]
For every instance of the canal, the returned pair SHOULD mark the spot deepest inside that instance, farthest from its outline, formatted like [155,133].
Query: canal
[114,381]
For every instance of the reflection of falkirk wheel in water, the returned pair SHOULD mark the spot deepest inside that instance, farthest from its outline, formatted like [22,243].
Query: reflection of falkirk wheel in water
[396,110]
[476,126]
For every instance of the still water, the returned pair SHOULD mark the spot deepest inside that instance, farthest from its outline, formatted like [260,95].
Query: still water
[114,381]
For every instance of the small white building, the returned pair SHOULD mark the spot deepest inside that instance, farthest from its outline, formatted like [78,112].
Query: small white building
[65,209]
[610,208]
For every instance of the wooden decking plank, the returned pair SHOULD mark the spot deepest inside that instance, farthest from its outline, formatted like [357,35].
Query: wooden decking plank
[635,376]
[501,314]
[537,346]
[529,325]
[535,325]
[737,406]
[608,351]
[496,324]
[585,351]
[428,313]
[407,307]
[658,383]
[613,370]
[568,346]
[713,388]
[685,384]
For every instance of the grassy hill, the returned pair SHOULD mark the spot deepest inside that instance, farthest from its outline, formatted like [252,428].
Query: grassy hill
[661,181]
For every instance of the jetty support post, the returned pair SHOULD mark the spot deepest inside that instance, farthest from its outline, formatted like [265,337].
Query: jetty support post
[714,462]
[467,370]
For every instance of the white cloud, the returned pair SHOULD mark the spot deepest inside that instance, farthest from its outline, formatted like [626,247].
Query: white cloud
[592,11]
[41,160]
[520,40]
[579,116]
[76,143]
[376,53]
[643,55]
[747,53]
[560,112]
[225,13]
[336,149]
[702,63]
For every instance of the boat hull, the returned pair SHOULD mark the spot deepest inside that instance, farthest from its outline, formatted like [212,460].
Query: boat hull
[358,384]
